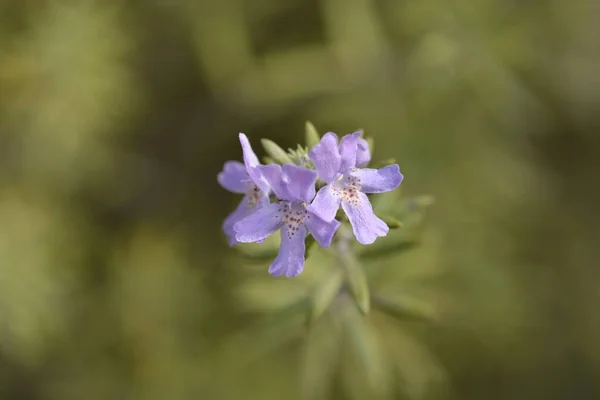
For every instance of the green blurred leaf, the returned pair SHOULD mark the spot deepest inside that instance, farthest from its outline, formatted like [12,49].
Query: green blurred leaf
[366,373]
[391,222]
[260,251]
[324,295]
[357,282]
[266,334]
[404,308]
[311,136]
[321,356]
[395,241]
[277,153]
[419,373]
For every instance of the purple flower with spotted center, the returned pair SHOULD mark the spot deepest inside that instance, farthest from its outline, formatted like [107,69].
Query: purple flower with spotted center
[244,178]
[294,187]
[347,185]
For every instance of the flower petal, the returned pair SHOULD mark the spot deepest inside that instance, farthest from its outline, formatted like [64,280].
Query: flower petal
[300,182]
[326,157]
[274,177]
[348,149]
[321,230]
[242,211]
[290,260]
[365,224]
[252,162]
[378,180]
[234,177]
[260,224]
[325,204]
[363,153]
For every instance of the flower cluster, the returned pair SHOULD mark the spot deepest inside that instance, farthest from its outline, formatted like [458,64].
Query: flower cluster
[297,208]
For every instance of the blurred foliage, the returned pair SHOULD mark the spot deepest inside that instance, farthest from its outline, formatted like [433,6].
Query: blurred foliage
[116,116]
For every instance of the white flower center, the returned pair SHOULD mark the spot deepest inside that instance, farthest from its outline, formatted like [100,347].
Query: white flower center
[347,187]
[254,195]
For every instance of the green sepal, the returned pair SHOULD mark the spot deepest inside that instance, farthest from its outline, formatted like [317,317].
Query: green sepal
[405,308]
[279,155]
[268,160]
[324,295]
[311,136]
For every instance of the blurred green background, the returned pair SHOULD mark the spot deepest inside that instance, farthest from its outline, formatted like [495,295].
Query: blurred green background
[116,116]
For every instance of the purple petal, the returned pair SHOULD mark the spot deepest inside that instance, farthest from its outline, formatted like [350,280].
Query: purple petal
[234,177]
[260,224]
[365,224]
[252,162]
[290,260]
[274,177]
[378,180]
[363,153]
[348,148]
[242,211]
[322,231]
[326,157]
[325,204]
[300,182]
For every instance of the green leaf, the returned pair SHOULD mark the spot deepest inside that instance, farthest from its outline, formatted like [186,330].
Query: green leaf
[321,357]
[277,153]
[391,222]
[324,295]
[357,282]
[392,243]
[366,370]
[311,136]
[404,308]
[265,335]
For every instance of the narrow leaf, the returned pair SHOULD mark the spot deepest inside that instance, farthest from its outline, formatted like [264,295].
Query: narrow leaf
[391,222]
[277,153]
[405,308]
[367,371]
[357,282]
[324,295]
[311,136]
[321,357]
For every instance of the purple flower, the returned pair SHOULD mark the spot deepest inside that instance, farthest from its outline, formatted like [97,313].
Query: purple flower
[244,178]
[347,185]
[294,186]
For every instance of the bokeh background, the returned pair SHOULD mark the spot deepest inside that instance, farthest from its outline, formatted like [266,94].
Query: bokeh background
[116,116]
